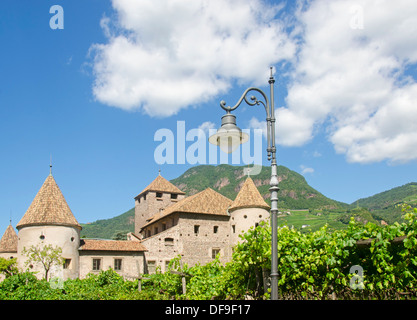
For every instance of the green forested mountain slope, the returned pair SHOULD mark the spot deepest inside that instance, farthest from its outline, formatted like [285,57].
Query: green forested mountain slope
[295,193]
[384,205]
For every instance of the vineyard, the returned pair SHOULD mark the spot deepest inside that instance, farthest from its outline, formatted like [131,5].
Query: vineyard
[359,262]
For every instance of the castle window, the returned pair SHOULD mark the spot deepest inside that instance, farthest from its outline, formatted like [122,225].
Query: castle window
[117,264]
[169,241]
[67,263]
[149,233]
[196,229]
[174,196]
[156,230]
[215,252]
[96,264]
[167,265]
[151,266]
[159,195]
[164,226]
[42,237]
[234,228]
[215,229]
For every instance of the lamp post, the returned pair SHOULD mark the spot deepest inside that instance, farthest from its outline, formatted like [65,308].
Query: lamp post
[228,138]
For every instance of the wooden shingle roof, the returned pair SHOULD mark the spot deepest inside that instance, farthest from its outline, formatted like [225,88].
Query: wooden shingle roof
[49,208]
[207,201]
[110,245]
[160,184]
[249,197]
[8,242]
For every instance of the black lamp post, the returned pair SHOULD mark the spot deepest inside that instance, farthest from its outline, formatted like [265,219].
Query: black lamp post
[228,138]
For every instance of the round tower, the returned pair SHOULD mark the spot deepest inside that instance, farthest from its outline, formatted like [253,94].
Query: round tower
[248,209]
[8,243]
[49,221]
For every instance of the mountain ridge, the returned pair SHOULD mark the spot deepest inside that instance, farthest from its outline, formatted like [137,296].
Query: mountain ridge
[295,194]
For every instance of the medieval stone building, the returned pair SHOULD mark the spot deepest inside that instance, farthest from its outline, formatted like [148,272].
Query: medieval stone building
[167,224]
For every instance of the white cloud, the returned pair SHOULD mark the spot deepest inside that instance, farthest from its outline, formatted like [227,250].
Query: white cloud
[317,154]
[353,81]
[207,128]
[305,169]
[349,66]
[163,56]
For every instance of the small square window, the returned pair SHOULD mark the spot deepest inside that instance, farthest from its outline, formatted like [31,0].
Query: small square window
[117,264]
[96,264]
[67,263]
[215,252]
[174,196]
[151,266]
[159,195]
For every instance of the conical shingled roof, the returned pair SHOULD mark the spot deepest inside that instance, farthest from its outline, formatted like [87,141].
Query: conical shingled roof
[249,197]
[49,208]
[160,184]
[8,242]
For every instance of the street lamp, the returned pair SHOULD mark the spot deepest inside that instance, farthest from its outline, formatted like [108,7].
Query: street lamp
[228,138]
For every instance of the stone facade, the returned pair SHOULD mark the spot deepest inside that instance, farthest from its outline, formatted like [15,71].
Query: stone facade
[126,263]
[198,227]
[197,238]
[149,203]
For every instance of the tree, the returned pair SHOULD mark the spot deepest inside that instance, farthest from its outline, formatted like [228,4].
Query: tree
[8,267]
[47,255]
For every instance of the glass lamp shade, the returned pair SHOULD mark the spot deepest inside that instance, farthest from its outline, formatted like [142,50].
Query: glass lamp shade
[229,136]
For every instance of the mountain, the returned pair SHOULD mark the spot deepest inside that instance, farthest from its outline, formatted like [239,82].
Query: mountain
[113,228]
[384,205]
[295,193]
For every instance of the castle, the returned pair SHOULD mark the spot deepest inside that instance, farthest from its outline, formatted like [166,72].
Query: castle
[167,224]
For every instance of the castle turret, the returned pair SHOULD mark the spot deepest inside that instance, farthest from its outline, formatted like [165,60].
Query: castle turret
[8,244]
[49,220]
[248,209]
[158,195]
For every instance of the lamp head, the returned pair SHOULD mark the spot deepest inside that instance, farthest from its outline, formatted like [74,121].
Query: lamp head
[229,136]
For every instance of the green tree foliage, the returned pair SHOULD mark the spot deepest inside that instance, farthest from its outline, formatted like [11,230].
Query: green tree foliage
[46,255]
[8,267]
[359,262]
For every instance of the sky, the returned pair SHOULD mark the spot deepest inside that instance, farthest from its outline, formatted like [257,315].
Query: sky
[101,87]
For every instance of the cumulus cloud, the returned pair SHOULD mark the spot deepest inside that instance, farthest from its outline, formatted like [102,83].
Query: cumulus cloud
[163,56]
[305,170]
[349,66]
[351,78]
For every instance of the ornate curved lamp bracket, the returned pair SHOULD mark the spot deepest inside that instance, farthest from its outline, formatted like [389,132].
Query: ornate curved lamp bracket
[252,101]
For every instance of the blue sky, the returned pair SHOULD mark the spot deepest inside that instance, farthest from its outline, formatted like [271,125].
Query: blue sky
[94,93]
